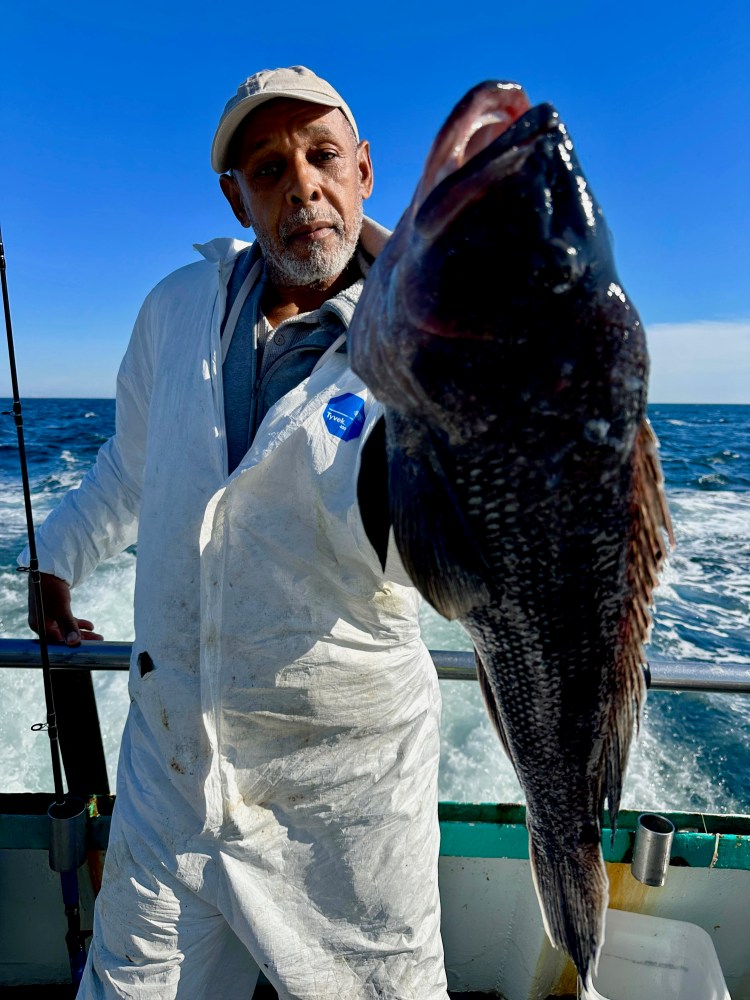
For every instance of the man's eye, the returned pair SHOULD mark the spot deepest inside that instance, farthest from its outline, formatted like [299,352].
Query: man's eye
[325,154]
[269,170]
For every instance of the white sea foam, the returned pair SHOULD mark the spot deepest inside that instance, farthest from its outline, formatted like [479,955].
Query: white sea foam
[716,516]
[106,598]
[51,490]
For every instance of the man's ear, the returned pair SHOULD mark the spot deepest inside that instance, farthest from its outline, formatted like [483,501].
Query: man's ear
[232,193]
[364,164]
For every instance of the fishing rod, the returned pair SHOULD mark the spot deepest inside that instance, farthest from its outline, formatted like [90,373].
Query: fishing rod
[67,850]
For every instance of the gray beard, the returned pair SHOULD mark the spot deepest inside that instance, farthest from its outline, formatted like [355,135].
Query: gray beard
[320,263]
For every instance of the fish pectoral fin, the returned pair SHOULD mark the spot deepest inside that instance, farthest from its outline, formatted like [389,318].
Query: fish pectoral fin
[491,704]
[372,491]
[436,546]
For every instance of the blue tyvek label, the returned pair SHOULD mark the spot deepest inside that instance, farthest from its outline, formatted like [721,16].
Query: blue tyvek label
[345,416]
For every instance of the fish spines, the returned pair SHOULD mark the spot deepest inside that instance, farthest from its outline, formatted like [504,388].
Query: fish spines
[650,536]
[623,716]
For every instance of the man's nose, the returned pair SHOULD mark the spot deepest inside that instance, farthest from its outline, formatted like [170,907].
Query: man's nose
[304,184]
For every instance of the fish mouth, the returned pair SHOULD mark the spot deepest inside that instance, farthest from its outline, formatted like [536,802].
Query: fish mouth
[481,117]
[488,135]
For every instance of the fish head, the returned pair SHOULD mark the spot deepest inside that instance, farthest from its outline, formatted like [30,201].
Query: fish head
[503,248]
[502,217]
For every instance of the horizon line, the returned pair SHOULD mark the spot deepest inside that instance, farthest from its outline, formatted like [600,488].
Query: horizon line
[651,402]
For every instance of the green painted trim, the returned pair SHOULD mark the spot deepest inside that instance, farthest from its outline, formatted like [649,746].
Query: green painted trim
[490,812]
[509,840]
[467,830]
[31,833]
[485,830]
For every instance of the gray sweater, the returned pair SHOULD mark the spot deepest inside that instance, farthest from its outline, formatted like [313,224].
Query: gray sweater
[262,363]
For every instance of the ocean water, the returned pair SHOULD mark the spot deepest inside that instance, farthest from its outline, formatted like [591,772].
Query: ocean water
[693,752]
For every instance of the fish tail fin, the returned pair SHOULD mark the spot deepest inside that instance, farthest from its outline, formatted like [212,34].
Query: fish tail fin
[573,892]
[589,992]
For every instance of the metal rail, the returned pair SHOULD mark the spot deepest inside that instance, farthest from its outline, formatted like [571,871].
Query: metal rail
[666,674]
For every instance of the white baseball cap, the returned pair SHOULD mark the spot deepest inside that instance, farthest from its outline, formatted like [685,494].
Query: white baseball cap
[295,82]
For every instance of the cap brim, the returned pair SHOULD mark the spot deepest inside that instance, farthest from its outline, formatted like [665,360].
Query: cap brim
[231,121]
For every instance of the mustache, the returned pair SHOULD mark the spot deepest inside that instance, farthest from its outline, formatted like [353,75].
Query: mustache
[304,217]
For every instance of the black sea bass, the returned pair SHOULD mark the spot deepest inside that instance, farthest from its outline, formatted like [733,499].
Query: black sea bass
[524,487]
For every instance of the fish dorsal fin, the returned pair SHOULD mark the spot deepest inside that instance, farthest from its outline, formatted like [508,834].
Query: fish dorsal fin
[651,536]
[650,539]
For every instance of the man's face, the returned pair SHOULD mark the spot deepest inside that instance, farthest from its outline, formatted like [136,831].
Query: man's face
[299,181]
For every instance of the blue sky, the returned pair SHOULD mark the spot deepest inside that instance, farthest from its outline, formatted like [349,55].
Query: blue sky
[108,114]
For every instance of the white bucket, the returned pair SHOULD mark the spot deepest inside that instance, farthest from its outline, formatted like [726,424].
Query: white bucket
[650,957]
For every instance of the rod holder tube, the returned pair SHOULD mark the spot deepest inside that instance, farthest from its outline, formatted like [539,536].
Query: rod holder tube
[67,841]
[653,847]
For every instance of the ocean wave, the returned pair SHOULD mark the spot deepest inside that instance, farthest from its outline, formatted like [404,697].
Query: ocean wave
[675,763]
[713,480]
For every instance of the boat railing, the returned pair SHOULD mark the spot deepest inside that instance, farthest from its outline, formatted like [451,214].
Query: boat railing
[666,674]
[77,717]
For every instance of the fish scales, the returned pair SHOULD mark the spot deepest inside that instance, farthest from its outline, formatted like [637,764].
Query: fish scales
[524,487]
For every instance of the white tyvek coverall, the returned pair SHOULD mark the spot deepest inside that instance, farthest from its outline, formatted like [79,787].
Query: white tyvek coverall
[278,767]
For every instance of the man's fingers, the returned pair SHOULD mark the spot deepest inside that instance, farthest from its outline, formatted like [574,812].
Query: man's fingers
[60,624]
[62,632]
[52,631]
[70,632]
[73,637]
[86,631]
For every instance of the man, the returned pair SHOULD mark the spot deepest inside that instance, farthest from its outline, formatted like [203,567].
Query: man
[276,797]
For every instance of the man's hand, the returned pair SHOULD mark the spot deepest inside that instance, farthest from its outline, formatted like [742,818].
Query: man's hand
[60,625]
